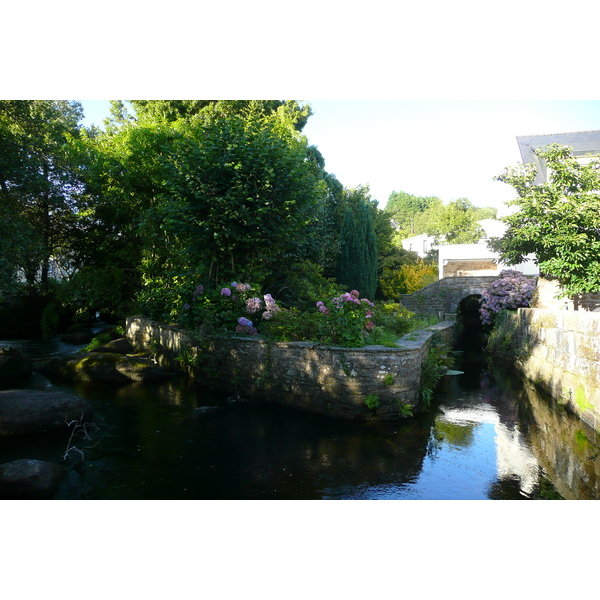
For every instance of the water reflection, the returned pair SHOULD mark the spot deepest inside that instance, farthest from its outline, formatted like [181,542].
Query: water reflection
[487,436]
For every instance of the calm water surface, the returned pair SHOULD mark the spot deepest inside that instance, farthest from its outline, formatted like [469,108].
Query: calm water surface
[486,437]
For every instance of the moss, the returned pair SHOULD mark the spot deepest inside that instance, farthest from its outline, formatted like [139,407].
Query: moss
[581,399]
[581,440]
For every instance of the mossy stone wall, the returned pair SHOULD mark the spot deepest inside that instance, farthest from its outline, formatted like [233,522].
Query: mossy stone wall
[559,351]
[327,380]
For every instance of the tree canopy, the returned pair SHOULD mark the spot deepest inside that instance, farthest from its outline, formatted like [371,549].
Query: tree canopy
[453,223]
[557,221]
[38,183]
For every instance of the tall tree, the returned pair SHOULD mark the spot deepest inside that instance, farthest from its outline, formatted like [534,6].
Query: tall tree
[456,223]
[558,222]
[37,180]
[357,263]
[239,183]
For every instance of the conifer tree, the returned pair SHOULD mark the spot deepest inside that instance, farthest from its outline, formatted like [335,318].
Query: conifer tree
[357,263]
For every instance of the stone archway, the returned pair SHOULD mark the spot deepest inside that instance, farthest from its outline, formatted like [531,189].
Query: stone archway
[469,319]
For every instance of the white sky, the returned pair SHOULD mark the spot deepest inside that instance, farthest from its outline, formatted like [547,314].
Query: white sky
[445,148]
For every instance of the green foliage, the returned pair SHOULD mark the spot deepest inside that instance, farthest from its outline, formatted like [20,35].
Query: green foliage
[394,318]
[407,278]
[294,325]
[347,318]
[236,185]
[372,401]
[232,308]
[357,262]
[405,409]
[104,338]
[500,341]
[50,323]
[454,223]
[406,211]
[389,379]
[381,336]
[38,186]
[558,222]
[438,361]
[301,283]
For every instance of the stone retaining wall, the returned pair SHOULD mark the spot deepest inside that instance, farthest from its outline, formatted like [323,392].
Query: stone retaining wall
[327,380]
[443,296]
[559,351]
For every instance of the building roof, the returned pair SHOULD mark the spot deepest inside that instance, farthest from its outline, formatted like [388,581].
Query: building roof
[582,143]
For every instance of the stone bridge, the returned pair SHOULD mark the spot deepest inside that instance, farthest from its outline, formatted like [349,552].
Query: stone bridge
[444,296]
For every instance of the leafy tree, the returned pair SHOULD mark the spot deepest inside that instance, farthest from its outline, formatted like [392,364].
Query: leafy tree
[406,211]
[557,221]
[456,223]
[236,187]
[407,278]
[38,183]
[357,263]
[173,110]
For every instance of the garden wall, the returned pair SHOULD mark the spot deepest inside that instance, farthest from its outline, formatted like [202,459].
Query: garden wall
[559,351]
[341,382]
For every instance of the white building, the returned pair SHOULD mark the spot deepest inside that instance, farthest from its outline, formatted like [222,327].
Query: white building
[476,259]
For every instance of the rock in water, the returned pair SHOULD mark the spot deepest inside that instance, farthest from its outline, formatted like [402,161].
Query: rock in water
[118,346]
[30,411]
[27,479]
[97,366]
[13,364]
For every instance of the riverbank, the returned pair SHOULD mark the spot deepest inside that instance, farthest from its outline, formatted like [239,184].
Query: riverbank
[558,351]
[369,383]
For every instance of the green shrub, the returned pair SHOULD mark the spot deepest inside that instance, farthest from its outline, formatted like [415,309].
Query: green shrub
[50,323]
[381,336]
[303,283]
[434,366]
[372,401]
[291,324]
[393,317]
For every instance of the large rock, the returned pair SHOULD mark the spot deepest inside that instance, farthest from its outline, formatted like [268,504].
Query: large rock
[118,346]
[27,479]
[94,366]
[30,411]
[13,364]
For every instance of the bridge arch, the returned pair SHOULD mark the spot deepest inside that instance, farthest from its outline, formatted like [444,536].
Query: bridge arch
[444,297]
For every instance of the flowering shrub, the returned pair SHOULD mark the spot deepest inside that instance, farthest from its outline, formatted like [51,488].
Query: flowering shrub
[348,318]
[511,290]
[219,311]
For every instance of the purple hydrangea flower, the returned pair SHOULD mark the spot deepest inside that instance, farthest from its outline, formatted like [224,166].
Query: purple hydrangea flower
[253,305]
[225,292]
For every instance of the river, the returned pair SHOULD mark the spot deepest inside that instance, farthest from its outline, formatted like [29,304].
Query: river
[486,436]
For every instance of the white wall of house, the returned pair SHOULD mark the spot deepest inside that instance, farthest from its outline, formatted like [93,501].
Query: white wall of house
[471,256]
[421,244]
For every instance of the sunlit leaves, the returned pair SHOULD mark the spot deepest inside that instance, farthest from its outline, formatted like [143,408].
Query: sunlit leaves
[558,221]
